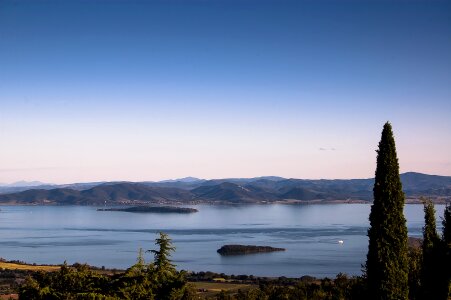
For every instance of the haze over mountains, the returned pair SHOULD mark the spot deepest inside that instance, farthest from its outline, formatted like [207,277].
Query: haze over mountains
[22,184]
[225,191]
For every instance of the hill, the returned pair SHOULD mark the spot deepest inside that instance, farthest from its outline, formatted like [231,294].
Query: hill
[116,193]
[226,191]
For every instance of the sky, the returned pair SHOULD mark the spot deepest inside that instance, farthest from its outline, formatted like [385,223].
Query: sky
[150,90]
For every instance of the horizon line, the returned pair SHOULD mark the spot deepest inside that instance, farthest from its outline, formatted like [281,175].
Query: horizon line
[2,184]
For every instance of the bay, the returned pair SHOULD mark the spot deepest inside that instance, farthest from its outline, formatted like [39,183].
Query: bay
[310,234]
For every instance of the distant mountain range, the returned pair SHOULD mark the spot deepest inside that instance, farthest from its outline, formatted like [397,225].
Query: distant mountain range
[22,184]
[224,191]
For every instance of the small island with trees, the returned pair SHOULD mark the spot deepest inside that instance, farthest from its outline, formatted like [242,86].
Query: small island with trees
[153,209]
[246,249]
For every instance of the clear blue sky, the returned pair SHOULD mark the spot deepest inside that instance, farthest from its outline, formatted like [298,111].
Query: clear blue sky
[148,90]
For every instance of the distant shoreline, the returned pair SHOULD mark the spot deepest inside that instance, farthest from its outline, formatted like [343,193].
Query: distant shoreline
[440,201]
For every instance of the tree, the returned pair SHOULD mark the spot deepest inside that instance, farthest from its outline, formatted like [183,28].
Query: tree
[75,282]
[162,261]
[432,270]
[415,263]
[446,240]
[387,258]
[446,236]
[430,235]
[169,284]
[158,280]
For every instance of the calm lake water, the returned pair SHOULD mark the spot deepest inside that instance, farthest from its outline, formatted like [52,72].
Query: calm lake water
[310,234]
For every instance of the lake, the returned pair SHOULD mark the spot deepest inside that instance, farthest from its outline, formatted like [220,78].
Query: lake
[310,234]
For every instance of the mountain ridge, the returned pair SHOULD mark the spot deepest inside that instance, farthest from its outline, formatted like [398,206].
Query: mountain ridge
[226,191]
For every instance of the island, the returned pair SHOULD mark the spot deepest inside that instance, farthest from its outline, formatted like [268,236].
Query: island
[246,249]
[153,209]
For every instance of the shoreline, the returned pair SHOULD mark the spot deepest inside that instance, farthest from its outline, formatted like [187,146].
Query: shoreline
[15,265]
[439,201]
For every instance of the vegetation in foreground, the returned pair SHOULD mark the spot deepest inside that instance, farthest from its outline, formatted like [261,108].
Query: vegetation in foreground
[157,280]
[392,270]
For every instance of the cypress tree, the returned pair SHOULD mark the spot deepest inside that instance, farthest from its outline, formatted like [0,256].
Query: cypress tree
[387,262]
[430,235]
[446,240]
[432,270]
[446,236]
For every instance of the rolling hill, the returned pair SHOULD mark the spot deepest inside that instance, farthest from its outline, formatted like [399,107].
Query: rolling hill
[225,191]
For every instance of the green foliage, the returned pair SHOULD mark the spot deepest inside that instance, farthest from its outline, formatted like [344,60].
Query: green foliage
[77,282]
[158,280]
[387,258]
[341,288]
[431,238]
[162,261]
[447,226]
[415,262]
[446,240]
[432,267]
[429,268]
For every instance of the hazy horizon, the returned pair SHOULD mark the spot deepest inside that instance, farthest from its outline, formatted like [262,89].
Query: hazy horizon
[24,182]
[151,90]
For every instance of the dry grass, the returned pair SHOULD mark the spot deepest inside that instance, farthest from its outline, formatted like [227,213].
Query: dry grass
[205,289]
[9,297]
[13,266]
[210,289]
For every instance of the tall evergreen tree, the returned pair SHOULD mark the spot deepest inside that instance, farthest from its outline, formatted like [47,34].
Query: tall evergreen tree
[446,239]
[430,235]
[432,271]
[169,283]
[162,261]
[387,262]
[446,236]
